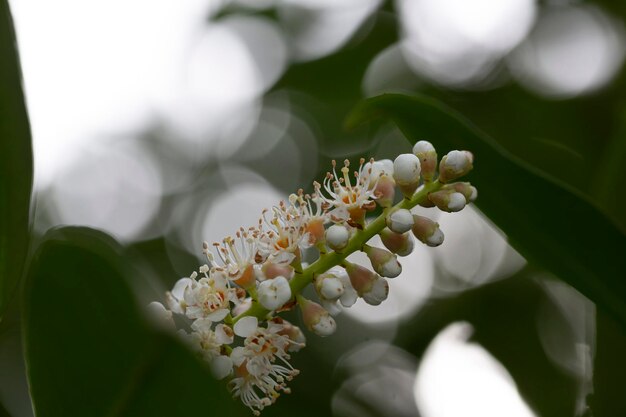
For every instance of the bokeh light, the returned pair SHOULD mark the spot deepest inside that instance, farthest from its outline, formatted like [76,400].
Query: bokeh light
[574,49]
[460,378]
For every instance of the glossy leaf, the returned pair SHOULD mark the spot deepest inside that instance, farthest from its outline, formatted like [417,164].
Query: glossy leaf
[89,351]
[16,166]
[550,224]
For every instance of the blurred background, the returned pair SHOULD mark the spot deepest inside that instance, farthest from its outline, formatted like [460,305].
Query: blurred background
[166,123]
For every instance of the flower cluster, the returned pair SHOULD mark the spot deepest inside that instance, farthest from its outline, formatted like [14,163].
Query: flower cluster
[230,307]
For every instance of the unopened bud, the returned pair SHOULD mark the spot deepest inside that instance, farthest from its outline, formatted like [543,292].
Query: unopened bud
[464,188]
[427,231]
[274,293]
[406,172]
[448,201]
[368,285]
[316,318]
[384,262]
[328,286]
[337,237]
[400,221]
[427,155]
[454,165]
[400,244]
[385,191]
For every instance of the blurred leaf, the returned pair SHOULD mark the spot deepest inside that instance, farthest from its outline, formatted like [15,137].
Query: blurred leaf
[550,224]
[3,412]
[89,351]
[611,178]
[16,165]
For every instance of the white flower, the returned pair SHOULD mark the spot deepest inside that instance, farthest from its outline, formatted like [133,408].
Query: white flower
[274,293]
[262,367]
[208,298]
[350,201]
[175,298]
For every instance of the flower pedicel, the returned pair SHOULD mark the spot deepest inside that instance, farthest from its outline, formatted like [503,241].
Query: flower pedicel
[232,303]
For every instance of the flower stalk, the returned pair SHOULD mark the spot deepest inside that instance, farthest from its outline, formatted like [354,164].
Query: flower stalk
[249,279]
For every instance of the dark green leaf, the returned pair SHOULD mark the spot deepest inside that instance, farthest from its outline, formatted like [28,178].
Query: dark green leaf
[16,165]
[549,223]
[89,351]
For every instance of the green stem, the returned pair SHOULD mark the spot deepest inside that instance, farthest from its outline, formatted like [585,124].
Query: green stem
[330,259]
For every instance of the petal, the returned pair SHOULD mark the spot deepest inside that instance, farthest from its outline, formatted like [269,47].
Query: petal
[221,366]
[246,326]
[218,315]
[238,355]
[201,324]
[179,288]
[224,334]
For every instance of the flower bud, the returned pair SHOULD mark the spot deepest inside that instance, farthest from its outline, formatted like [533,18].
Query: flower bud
[384,262]
[427,155]
[406,172]
[427,231]
[337,237]
[448,201]
[328,285]
[469,192]
[400,244]
[368,285]
[454,165]
[400,221]
[315,318]
[274,293]
[385,191]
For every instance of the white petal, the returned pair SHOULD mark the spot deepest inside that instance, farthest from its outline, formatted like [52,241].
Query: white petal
[246,326]
[224,334]
[339,214]
[221,366]
[201,324]
[218,315]
[179,288]
[283,257]
[238,355]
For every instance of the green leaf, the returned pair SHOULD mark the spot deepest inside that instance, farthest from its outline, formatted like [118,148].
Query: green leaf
[89,351]
[16,163]
[549,223]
